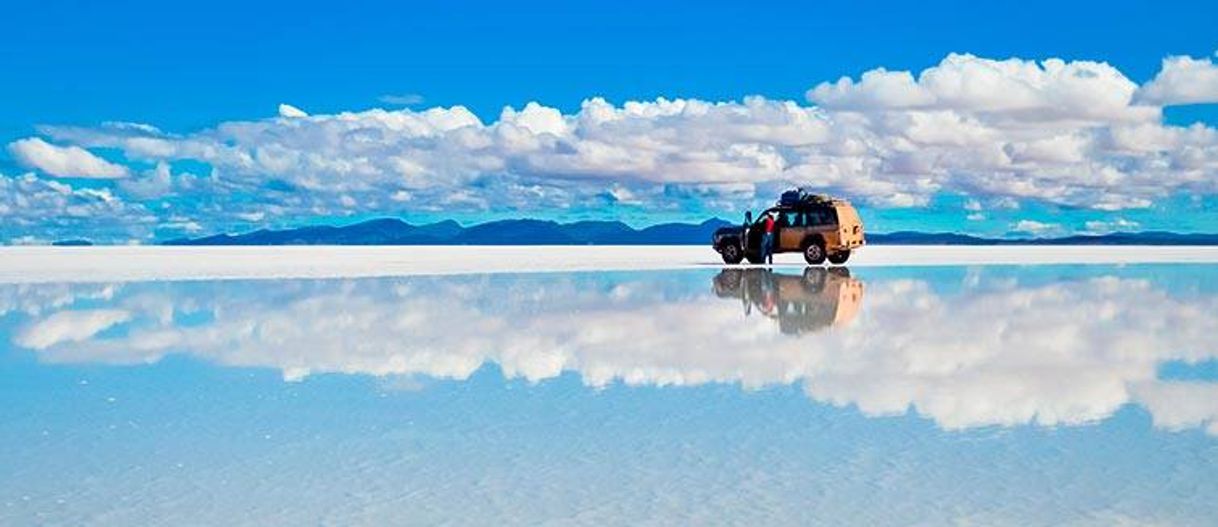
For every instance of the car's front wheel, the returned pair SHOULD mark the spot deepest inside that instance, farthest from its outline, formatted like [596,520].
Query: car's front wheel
[732,254]
[839,257]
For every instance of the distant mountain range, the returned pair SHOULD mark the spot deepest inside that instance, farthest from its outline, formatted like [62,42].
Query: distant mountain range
[392,231]
[1115,238]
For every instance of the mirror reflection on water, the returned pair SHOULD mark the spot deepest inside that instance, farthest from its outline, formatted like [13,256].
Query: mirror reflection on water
[976,354]
[970,348]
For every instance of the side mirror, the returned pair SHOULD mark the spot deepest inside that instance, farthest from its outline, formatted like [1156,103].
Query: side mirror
[748,217]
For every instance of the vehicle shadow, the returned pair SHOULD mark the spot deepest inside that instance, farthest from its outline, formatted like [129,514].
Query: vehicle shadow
[802,303]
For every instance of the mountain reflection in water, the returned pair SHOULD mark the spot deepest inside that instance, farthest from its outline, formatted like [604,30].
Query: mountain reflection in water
[964,347]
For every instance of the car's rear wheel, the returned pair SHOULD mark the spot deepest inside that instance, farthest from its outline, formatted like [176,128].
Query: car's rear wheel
[839,257]
[732,254]
[814,252]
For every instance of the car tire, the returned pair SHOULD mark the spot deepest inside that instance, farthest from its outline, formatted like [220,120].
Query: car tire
[839,257]
[814,252]
[732,254]
[814,279]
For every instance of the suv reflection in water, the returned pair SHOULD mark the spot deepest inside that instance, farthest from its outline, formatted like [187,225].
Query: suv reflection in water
[805,303]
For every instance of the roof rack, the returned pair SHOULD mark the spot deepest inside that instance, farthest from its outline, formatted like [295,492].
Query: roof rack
[802,196]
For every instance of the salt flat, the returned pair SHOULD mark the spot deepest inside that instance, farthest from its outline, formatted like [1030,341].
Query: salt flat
[137,263]
[1024,394]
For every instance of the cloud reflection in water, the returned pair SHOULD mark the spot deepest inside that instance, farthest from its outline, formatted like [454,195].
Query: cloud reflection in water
[978,348]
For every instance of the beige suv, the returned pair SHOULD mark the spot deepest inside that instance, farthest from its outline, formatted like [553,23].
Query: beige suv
[820,228]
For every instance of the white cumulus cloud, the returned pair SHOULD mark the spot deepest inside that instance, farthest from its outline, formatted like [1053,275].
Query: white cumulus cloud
[64,161]
[1035,228]
[1183,80]
[1114,225]
[287,110]
[59,210]
[1006,91]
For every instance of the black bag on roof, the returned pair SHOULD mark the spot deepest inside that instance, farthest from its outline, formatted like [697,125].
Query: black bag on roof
[790,197]
[801,196]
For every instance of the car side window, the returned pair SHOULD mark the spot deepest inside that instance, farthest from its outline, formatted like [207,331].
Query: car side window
[821,217]
[814,219]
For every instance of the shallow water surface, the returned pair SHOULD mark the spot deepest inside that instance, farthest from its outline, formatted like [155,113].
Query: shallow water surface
[991,395]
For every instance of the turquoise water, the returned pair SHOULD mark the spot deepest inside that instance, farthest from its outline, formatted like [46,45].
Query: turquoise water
[986,395]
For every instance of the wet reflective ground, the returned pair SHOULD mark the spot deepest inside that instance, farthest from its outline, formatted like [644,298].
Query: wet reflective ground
[986,395]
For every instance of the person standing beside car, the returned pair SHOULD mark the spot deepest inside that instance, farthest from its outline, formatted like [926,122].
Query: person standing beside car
[767,240]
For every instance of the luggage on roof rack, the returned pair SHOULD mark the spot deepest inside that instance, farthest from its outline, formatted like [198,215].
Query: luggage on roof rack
[790,197]
[800,195]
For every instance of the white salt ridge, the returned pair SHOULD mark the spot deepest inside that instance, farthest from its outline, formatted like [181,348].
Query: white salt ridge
[140,263]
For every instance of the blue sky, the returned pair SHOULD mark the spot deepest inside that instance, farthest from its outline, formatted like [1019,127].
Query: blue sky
[189,70]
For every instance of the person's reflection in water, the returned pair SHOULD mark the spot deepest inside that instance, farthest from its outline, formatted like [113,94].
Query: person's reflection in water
[801,303]
[769,296]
